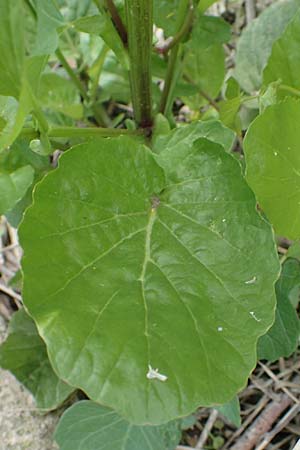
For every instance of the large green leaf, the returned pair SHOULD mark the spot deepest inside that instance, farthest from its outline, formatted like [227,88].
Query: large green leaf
[255,44]
[24,354]
[93,427]
[273,165]
[127,271]
[284,63]
[283,338]
[11,47]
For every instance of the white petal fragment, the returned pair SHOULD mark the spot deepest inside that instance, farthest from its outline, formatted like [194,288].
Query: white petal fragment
[252,314]
[153,374]
[252,281]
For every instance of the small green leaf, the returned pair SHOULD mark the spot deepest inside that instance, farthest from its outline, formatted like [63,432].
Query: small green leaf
[14,112]
[209,30]
[101,25]
[294,251]
[283,338]
[60,94]
[13,187]
[255,44]
[16,157]
[73,9]
[205,70]
[233,89]
[49,19]
[205,4]
[228,110]
[93,427]
[204,62]
[8,111]
[90,24]
[165,15]
[151,249]
[269,96]
[231,411]
[284,64]
[212,130]
[24,354]
[273,165]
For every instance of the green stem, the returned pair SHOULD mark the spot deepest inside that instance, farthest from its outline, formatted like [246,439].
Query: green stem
[184,25]
[207,97]
[73,132]
[139,15]
[289,89]
[182,33]
[99,66]
[99,112]
[117,21]
[71,74]
[39,115]
[167,93]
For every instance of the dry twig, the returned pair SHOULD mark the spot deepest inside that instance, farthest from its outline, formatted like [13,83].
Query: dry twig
[263,423]
[207,429]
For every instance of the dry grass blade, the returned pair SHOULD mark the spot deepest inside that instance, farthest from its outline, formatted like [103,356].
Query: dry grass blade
[207,429]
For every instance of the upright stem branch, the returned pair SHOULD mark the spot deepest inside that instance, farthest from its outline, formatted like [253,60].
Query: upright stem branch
[139,15]
[115,17]
[71,74]
[181,33]
[184,26]
[169,81]
[117,21]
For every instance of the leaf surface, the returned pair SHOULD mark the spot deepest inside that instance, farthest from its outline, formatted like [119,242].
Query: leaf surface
[273,165]
[13,187]
[11,47]
[93,427]
[282,339]
[143,267]
[19,156]
[232,411]
[255,44]
[49,19]
[212,130]
[165,15]
[284,63]
[102,25]
[24,354]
